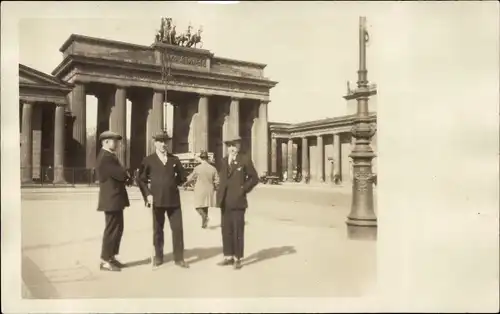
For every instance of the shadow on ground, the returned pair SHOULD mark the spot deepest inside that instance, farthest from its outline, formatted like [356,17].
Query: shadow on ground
[37,284]
[267,254]
[194,255]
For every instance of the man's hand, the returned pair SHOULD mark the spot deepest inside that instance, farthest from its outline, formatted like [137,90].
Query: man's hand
[149,201]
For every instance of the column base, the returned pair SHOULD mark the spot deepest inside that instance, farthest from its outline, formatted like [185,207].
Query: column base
[59,176]
[361,229]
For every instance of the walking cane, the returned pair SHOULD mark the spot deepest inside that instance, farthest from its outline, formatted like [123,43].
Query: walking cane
[149,207]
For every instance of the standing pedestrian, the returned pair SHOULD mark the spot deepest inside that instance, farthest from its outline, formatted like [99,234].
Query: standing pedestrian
[237,178]
[113,199]
[164,172]
[206,182]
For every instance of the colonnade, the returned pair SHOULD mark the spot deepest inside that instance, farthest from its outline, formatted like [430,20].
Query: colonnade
[201,122]
[322,157]
[31,139]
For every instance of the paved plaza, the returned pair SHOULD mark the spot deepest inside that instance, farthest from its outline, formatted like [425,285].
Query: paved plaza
[296,246]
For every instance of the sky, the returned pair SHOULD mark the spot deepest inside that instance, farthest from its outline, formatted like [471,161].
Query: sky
[311,48]
[310,58]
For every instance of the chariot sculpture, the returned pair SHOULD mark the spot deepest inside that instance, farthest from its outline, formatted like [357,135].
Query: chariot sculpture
[168,35]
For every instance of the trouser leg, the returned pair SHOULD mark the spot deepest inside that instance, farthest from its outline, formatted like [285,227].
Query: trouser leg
[111,231]
[158,225]
[227,232]
[203,211]
[238,221]
[175,219]
[119,235]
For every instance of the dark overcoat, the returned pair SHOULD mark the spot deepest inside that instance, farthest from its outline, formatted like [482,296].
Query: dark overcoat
[112,176]
[235,182]
[164,180]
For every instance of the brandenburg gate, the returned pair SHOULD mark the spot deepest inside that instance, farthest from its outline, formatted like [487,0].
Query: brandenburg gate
[212,97]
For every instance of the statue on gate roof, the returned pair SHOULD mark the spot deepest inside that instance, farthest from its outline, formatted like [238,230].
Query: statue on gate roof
[168,35]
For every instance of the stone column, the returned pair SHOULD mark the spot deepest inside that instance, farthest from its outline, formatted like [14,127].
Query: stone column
[225,134]
[290,160]
[305,159]
[27,144]
[284,158]
[202,134]
[274,156]
[234,117]
[36,124]
[336,155]
[104,102]
[78,103]
[255,138]
[263,139]
[118,121]
[321,157]
[59,146]
[154,119]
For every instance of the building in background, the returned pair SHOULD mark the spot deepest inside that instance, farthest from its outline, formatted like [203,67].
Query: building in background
[318,149]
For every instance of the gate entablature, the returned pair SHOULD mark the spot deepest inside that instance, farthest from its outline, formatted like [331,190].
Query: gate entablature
[90,59]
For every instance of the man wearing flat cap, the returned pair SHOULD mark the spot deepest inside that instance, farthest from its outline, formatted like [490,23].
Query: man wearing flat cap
[113,198]
[164,173]
[237,178]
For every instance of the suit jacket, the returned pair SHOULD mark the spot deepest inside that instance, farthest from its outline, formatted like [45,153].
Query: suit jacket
[164,180]
[112,180]
[236,181]
[207,180]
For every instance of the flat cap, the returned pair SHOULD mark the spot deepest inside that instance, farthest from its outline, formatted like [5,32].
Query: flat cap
[161,137]
[232,139]
[109,135]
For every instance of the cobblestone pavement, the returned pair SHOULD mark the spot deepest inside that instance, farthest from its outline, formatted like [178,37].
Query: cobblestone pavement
[296,246]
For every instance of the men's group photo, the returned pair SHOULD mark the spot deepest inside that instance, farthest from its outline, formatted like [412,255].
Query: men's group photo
[159,178]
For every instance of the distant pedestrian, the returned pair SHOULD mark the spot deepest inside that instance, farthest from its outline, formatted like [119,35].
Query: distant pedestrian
[164,172]
[113,199]
[206,181]
[237,178]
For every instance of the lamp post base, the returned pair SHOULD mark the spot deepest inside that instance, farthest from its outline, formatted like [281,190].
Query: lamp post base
[361,230]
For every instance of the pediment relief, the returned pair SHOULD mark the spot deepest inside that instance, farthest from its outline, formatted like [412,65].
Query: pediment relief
[36,78]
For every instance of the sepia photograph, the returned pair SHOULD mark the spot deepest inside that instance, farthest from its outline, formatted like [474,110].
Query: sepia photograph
[163,156]
[221,150]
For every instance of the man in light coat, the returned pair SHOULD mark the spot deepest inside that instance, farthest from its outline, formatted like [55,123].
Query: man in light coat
[206,182]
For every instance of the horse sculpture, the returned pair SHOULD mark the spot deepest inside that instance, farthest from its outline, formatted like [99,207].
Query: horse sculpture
[195,39]
[167,30]
[182,39]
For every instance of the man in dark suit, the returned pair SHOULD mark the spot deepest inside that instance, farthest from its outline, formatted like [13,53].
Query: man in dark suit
[164,172]
[237,178]
[113,199]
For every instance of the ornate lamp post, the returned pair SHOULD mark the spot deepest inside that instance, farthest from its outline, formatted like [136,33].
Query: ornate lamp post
[362,222]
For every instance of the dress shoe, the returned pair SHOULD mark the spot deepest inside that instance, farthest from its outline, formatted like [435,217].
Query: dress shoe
[182,264]
[226,262]
[157,261]
[237,264]
[117,263]
[107,266]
